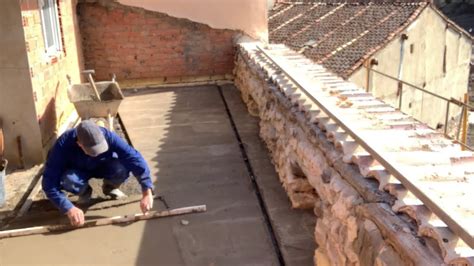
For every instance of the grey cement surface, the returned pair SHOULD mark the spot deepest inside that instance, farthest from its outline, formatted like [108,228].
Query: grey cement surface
[294,229]
[186,137]
[17,183]
[190,143]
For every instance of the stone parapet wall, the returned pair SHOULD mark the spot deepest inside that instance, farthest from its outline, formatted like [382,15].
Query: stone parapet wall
[355,222]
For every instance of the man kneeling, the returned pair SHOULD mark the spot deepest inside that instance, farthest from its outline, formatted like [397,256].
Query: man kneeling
[91,151]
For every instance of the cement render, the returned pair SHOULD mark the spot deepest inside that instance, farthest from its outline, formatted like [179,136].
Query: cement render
[186,137]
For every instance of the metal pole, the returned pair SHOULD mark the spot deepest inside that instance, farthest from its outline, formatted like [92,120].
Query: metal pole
[464,124]
[421,89]
[460,122]
[446,119]
[463,145]
[367,78]
[400,89]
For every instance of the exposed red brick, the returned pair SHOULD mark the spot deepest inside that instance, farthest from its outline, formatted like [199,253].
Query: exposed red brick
[48,72]
[28,5]
[133,43]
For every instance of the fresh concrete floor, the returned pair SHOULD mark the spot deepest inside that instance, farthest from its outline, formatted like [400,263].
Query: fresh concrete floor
[294,229]
[186,136]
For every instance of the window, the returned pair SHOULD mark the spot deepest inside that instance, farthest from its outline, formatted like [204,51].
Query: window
[50,24]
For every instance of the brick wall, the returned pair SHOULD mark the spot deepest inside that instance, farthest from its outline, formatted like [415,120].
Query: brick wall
[136,44]
[48,72]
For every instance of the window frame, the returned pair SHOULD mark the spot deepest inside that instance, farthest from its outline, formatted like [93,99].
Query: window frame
[55,29]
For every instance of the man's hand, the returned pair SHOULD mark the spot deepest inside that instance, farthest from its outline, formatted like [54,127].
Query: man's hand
[76,216]
[146,203]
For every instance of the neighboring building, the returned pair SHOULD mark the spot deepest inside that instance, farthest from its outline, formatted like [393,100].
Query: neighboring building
[40,46]
[461,12]
[408,40]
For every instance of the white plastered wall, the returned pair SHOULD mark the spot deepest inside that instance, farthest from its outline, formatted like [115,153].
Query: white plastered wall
[17,107]
[422,66]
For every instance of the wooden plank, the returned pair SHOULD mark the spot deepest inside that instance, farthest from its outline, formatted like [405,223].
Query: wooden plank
[101,222]
[29,200]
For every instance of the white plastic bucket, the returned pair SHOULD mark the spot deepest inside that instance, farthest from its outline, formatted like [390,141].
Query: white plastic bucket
[3,168]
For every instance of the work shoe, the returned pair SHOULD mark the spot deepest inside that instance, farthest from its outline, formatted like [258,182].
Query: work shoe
[117,194]
[113,192]
[85,197]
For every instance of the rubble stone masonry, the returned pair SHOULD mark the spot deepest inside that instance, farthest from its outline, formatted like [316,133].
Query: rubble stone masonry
[134,43]
[355,224]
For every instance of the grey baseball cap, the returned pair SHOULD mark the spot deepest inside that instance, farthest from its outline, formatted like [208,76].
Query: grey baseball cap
[91,137]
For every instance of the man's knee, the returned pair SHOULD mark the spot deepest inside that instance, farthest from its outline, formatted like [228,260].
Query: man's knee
[73,181]
[116,172]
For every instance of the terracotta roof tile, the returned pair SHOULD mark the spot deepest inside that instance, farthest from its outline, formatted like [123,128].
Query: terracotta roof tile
[340,35]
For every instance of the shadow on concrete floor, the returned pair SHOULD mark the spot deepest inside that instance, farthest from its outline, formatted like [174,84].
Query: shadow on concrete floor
[186,136]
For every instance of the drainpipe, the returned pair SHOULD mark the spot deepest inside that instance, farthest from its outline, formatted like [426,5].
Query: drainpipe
[400,68]
[369,63]
[367,77]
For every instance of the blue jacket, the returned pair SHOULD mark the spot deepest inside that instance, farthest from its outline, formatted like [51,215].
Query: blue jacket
[66,154]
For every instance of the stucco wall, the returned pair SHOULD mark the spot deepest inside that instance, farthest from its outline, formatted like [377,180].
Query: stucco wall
[33,87]
[48,72]
[423,66]
[249,16]
[17,107]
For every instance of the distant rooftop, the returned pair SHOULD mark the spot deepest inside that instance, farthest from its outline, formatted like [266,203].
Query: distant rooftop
[340,35]
[461,13]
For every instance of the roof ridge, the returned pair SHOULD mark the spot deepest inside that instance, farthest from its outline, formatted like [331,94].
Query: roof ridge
[451,23]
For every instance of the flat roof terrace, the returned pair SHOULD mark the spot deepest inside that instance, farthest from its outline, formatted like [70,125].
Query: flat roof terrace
[203,148]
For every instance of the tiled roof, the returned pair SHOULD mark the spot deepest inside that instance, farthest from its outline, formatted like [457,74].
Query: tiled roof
[340,35]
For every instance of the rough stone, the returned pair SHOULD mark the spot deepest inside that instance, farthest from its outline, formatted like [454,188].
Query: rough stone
[302,151]
[388,257]
[320,258]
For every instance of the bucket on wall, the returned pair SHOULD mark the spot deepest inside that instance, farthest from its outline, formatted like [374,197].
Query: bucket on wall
[3,168]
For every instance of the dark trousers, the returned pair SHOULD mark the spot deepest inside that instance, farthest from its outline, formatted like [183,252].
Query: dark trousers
[77,181]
